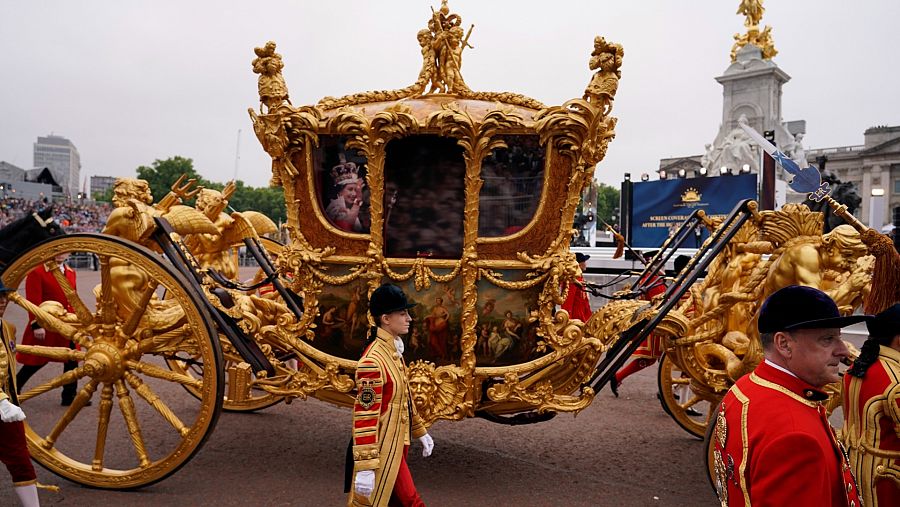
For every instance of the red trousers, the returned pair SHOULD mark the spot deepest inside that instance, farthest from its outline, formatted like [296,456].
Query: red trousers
[405,494]
[633,367]
[14,453]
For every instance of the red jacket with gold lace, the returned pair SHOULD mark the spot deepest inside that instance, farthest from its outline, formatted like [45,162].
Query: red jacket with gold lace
[775,447]
[383,415]
[872,429]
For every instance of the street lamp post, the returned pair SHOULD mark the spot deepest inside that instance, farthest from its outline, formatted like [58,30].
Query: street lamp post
[876,209]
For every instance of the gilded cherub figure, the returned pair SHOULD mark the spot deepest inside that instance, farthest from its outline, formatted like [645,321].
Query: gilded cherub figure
[272,89]
[216,251]
[606,59]
[448,42]
[429,72]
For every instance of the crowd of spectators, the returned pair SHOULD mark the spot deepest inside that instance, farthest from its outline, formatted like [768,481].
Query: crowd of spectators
[73,216]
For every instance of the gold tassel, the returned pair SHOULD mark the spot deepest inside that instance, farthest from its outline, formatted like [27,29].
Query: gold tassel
[886,276]
[48,487]
[620,244]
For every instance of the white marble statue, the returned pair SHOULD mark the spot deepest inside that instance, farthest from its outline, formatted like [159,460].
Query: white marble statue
[797,151]
[708,157]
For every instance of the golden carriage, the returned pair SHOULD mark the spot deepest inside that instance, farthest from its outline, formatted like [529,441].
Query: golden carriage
[468,205]
[465,199]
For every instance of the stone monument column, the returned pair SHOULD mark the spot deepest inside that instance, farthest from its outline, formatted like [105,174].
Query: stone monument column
[751,92]
[752,87]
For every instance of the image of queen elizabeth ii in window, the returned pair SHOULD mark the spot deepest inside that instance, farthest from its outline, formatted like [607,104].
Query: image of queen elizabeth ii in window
[344,209]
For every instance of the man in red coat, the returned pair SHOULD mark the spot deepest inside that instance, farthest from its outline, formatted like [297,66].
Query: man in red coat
[652,347]
[773,443]
[41,286]
[577,303]
[872,411]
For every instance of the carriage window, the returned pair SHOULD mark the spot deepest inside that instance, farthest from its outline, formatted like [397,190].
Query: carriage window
[341,184]
[513,180]
[424,197]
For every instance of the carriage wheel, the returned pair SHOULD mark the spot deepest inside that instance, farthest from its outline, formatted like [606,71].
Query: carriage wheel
[690,409]
[256,399]
[131,423]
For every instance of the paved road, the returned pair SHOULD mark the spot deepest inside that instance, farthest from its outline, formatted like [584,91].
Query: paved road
[623,451]
[619,451]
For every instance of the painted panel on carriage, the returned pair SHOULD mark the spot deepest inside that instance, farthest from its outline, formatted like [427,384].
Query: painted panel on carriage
[424,194]
[507,328]
[513,181]
[436,327]
[340,180]
[342,322]
[659,207]
[505,332]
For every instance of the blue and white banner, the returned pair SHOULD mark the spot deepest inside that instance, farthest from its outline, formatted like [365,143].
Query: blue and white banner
[659,207]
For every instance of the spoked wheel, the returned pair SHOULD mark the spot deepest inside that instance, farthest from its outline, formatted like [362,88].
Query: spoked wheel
[690,409]
[131,423]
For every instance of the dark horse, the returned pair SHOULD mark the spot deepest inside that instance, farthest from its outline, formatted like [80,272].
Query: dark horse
[844,193]
[17,237]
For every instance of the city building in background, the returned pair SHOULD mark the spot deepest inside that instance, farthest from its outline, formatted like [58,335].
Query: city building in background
[61,158]
[100,184]
[16,182]
[872,167]
[10,172]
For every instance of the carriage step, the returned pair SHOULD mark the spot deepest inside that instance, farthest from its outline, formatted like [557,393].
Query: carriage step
[239,377]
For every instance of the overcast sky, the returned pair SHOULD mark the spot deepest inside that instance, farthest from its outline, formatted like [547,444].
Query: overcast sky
[130,82]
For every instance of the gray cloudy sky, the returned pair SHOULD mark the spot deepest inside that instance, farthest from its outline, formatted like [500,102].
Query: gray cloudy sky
[130,82]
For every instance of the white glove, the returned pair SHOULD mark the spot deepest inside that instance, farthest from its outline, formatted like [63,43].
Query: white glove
[10,412]
[364,482]
[427,444]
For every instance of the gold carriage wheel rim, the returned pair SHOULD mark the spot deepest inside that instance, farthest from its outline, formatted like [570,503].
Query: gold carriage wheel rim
[193,433]
[677,408]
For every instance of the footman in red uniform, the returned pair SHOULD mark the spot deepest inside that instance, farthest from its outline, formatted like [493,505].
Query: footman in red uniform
[773,443]
[384,417]
[872,412]
[577,302]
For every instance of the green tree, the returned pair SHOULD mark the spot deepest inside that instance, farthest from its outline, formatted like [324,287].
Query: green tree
[163,173]
[268,201]
[607,202]
[105,196]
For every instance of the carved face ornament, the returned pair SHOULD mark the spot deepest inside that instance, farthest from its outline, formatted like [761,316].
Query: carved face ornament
[421,386]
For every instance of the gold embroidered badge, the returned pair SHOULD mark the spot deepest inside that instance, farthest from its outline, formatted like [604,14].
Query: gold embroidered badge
[721,427]
[366,397]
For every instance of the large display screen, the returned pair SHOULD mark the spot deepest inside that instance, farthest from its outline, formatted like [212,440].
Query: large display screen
[659,207]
